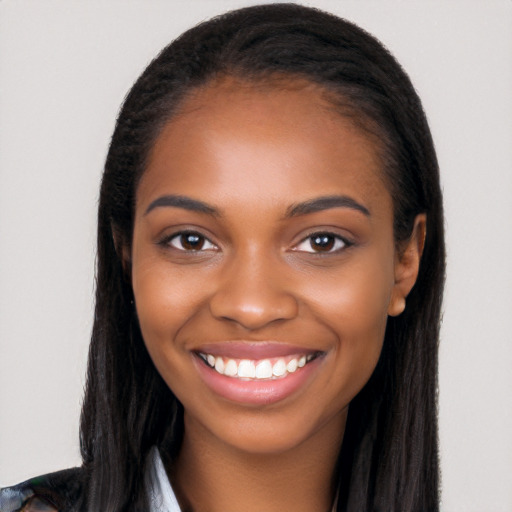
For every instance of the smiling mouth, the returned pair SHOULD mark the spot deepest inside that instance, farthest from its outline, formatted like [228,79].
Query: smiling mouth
[257,369]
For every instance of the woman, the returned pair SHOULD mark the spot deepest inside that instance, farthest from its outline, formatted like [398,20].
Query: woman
[265,336]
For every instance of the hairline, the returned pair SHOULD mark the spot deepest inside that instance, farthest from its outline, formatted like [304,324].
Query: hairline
[337,102]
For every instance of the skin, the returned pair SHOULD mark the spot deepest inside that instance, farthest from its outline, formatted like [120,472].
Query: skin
[253,154]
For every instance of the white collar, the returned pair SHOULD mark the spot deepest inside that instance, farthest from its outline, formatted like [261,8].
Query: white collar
[161,495]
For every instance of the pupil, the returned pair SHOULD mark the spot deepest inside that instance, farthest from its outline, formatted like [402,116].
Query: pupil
[192,242]
[323,242]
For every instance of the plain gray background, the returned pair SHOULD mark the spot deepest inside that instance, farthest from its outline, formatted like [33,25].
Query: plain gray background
[65,67]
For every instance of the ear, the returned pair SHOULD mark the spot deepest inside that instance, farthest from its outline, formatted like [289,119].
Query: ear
[407,264]
[123,252]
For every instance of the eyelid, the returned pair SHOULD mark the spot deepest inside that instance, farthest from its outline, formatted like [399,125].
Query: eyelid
[345,243]
[166,241]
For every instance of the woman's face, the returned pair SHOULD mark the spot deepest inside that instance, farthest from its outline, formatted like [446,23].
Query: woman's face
[263,263]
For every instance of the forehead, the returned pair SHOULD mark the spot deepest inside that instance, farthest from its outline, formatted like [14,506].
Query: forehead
[263,138]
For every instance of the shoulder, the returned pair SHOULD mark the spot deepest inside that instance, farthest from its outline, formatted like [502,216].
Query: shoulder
[55,492]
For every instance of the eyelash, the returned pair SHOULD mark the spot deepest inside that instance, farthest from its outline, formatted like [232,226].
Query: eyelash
[168,241]
[334,242]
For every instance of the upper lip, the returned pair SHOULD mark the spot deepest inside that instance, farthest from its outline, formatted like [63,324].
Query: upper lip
[253,349]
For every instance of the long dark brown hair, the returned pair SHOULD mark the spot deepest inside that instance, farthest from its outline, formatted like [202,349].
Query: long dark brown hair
[389,457]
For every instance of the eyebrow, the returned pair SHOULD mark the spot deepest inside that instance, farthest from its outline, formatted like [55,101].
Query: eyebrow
[187,203]
[325,203]
[304,208]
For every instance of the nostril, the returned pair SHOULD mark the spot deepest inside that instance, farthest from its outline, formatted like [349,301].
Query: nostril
[253,311]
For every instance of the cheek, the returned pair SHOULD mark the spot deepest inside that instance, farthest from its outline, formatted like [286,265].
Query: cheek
[166,296]
[161,305]
[353,304]
[355,298]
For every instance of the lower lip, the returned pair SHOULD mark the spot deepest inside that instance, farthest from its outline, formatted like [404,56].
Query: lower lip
[256,392]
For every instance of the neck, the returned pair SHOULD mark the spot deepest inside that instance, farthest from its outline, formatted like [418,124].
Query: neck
[213,476]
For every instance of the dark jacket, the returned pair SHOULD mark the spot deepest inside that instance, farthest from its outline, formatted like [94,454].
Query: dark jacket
[55,492]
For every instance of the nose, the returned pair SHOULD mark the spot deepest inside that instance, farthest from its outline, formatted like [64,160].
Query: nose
[252,292]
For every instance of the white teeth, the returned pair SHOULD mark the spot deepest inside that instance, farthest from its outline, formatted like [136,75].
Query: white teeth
[291,366]
[279,368]
[219,364]
[231,368]
[246,369]
[264,369]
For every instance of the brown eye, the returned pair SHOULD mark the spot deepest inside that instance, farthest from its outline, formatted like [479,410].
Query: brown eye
[322,243]
[191,241]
